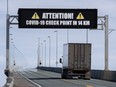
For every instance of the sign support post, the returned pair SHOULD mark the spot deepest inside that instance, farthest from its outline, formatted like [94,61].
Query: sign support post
[9,21]
[106,43]
[7,70]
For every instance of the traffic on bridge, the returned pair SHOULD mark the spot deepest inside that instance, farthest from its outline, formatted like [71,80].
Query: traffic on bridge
[57,43]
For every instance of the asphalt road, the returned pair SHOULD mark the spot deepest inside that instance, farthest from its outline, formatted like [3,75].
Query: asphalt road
[52,79]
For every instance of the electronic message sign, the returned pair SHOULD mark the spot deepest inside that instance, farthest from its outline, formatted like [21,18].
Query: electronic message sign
[57,18]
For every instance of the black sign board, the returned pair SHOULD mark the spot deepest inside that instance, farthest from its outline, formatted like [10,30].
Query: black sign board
[57,18]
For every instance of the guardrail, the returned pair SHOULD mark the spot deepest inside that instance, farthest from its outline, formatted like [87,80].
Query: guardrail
[96,74]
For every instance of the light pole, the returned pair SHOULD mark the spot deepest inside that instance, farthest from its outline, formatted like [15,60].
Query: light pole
[87,35]
[38,52]
[42,54]
[67,36]
[56,48]
[49,49]
[7,6]
[45,51]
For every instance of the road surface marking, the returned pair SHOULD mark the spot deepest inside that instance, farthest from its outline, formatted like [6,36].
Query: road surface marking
[89,86]
[30,80]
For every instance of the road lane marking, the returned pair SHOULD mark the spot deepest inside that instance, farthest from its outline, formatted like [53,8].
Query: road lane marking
[79,83]
[73,82]
[30,80]
[82,84]
[89,86]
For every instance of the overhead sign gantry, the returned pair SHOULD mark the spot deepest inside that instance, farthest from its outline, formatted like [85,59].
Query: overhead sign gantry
[57,18]
[81,18]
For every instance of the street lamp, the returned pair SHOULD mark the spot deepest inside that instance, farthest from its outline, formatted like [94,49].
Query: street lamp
[42,53]
[56,47]
[45,51]
[38,52]
[49,49]
[67,36]
[87,36]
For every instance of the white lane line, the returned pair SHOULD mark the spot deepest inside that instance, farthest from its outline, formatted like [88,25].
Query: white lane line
[30,80]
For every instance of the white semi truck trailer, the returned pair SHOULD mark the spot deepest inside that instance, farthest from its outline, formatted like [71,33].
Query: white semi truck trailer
[76,60]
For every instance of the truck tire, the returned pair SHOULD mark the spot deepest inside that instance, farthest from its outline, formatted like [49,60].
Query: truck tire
[64,74]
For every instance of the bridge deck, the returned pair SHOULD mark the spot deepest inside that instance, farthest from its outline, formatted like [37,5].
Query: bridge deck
[51,79]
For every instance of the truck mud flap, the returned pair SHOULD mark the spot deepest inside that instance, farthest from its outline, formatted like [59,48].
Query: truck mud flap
[64,74]
[87,76]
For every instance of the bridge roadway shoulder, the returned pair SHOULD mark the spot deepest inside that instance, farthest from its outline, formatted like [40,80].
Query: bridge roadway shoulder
[19,81]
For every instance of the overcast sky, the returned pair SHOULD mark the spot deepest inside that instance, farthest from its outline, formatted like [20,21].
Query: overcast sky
[26,40]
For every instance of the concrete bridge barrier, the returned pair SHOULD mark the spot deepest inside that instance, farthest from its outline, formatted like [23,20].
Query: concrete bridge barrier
[104,75]
[96,74]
